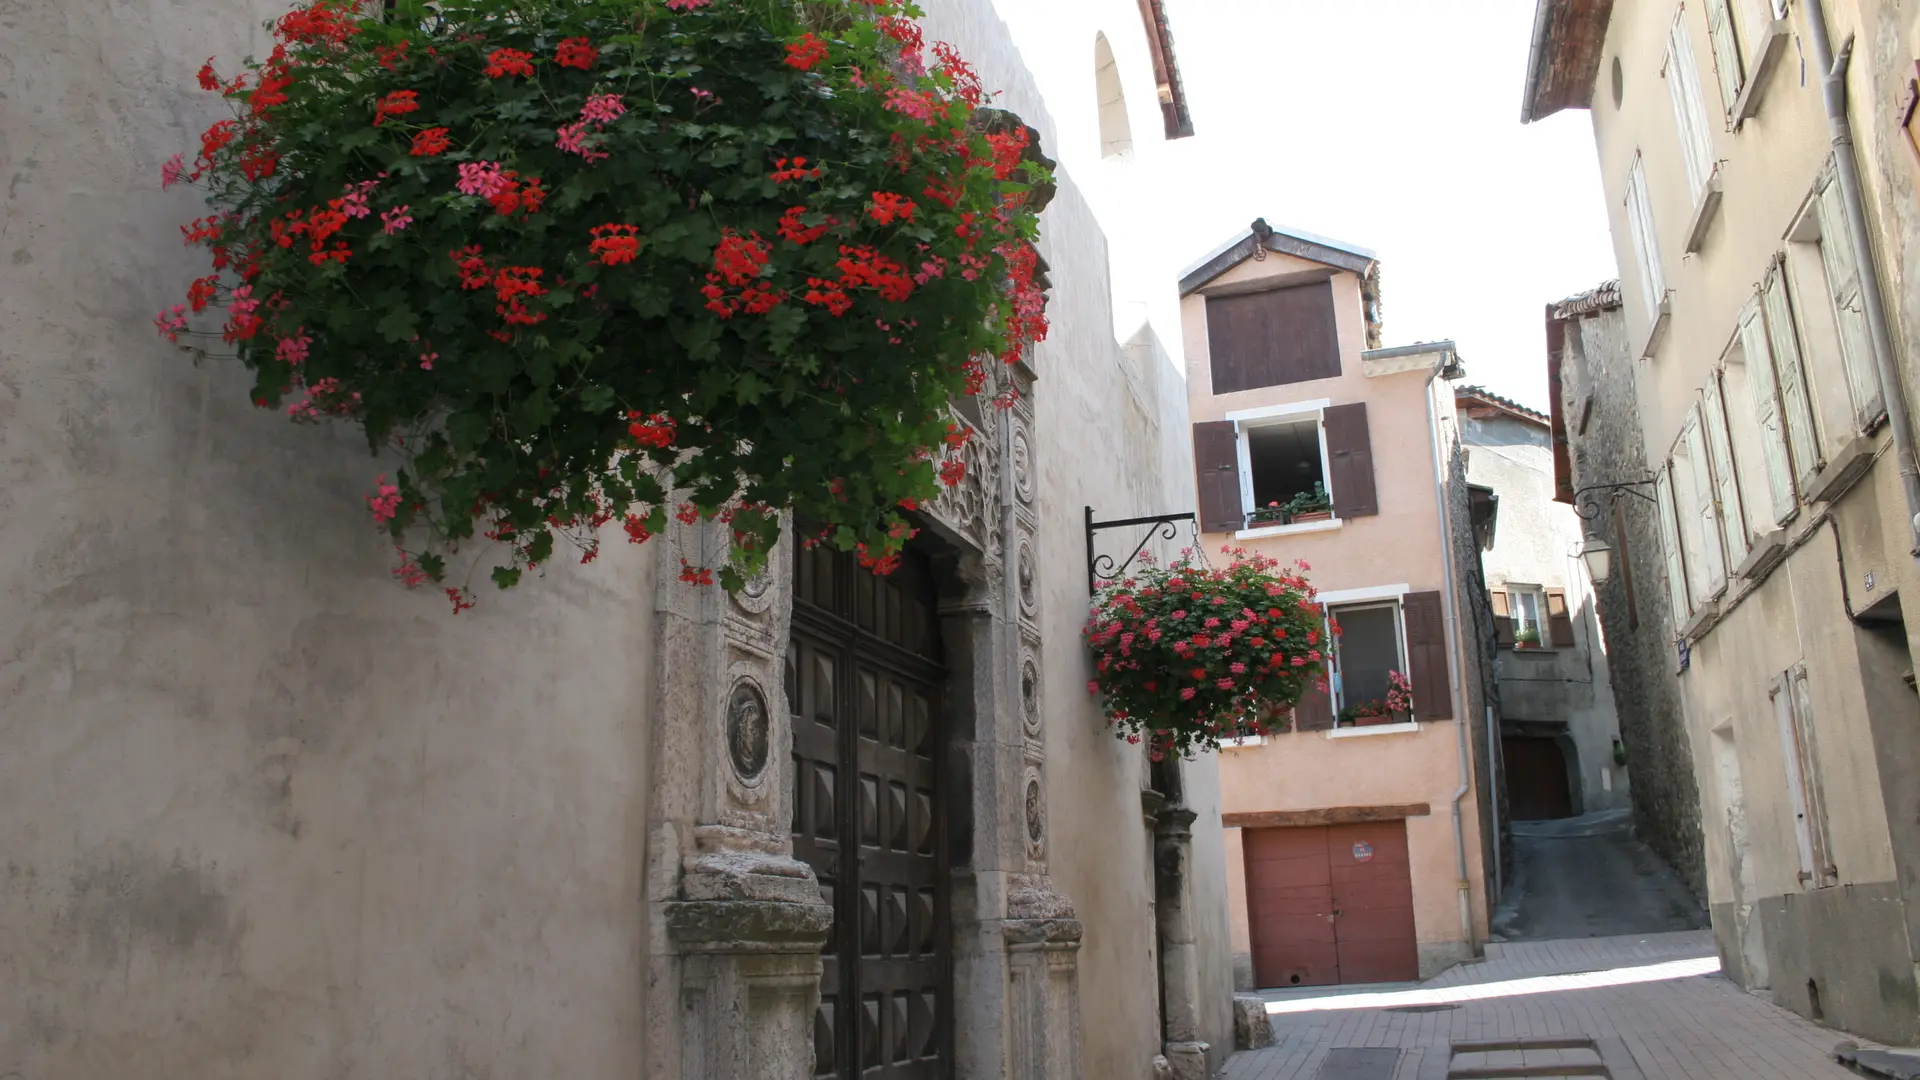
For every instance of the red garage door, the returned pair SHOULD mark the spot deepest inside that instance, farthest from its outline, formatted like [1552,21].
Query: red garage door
[1330,904]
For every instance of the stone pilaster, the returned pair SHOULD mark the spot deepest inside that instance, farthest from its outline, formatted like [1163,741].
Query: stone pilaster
[1186,1054]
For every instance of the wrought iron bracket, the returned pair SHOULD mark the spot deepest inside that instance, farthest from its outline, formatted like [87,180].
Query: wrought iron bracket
[1586,500]
[1102,567]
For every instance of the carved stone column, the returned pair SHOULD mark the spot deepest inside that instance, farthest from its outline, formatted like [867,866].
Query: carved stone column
[1186,1054]
[737,923]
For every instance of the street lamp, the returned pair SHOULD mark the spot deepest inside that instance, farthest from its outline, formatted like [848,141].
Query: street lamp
[1598,557]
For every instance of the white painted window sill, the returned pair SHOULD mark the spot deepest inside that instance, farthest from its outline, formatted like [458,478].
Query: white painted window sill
[1289,530]
[1247,743]
[1373,729]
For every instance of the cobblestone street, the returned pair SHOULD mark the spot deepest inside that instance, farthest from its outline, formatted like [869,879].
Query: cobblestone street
[1659,995]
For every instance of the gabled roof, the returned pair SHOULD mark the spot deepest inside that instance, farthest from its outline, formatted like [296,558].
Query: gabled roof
[1602,297]
[1296,242]
[1481,396]
[1564,62]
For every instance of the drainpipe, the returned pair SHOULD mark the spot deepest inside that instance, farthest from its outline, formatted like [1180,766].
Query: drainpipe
[1833,92]
[1441,509]
[1493,804]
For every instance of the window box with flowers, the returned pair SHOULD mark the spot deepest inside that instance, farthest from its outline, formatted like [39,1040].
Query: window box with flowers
[1188,656]
[599,262]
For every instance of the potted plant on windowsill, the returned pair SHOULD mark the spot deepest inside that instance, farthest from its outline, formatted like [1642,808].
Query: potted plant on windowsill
[1274,513]
[1395,708]
[1315,505]
[1527,637]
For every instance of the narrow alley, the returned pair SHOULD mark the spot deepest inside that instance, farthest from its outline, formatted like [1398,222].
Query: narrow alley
[1601,964]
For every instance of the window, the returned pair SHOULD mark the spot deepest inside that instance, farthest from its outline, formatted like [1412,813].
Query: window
[1528,618]
[1699,520]
[1286,471]
[1371,648]
[1689,110]
[1116,136]
[1793,710]
[1827,279]
[1789,377]
[1273,337]
[1646,252]
[1729,506]
[1678,596]
[1289,466]
[1754,416]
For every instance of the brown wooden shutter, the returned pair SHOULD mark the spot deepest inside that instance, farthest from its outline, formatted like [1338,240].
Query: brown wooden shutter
[1427,655]
[1502,619]
[1314,711]
[1216,462]
[1559,622]
[1350,468]
[1273,337]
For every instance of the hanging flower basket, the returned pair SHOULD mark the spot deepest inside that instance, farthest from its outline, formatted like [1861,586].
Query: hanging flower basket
[1187,655]
[601,261]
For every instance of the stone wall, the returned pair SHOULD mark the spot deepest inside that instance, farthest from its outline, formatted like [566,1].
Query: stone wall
[1641,657]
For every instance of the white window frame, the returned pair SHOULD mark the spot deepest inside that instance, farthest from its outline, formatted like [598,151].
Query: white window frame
[1542,624]
[1681,70]
[1247,420]
[1646,243]
[1381,598]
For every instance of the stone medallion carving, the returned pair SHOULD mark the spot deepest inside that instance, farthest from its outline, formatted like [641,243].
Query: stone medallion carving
[1030,694]
[1029,596]
[1036,807]
[748,730]
[1022,467]
[756,596]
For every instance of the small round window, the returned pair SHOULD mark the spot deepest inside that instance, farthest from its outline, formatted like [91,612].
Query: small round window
[1619,83]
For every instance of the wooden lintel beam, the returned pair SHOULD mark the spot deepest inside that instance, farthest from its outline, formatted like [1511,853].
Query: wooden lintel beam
[1330,815]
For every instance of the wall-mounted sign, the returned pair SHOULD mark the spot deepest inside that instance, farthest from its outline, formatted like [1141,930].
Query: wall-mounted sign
[1363,852]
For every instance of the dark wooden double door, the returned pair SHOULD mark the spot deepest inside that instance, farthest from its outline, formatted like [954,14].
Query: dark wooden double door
[864,678]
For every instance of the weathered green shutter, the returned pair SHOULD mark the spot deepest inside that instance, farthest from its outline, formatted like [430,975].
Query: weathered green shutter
[1670,545]
[1726,51]
[1713,551]
[1726,476]
[1689,109]
[1766,411]
[1843,266]
[1646,250]
[1790,376]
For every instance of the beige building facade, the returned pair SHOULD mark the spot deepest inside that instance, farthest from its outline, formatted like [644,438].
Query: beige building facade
[1770,315]
[267,814]
[1354,845]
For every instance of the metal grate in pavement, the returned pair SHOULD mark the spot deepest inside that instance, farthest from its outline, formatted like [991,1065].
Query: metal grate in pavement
[1359,1063]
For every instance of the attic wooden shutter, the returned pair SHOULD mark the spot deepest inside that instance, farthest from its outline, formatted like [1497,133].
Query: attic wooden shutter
[1726,51]
[1427,655]
[1314,710]
[1559,620]
[1350,468]
[1767,413]
[1273,337]
[1790,377]
[1502,619]
[1216,462]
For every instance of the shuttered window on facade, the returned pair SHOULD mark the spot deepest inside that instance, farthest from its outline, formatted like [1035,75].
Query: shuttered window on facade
[1726,51]
[1502,619]
[1426,624]
[1768,415]
[1711,572]
[1216,462]
[1350,461]
[1272,338]
[1677,592]
[1559,619]
[1793,712]
[1726,476]
[1646,251]
[1689,107]
[1844,269]
[1790,377]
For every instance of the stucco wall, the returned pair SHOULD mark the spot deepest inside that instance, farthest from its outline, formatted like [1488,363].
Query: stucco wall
[265,812]
[1534,543]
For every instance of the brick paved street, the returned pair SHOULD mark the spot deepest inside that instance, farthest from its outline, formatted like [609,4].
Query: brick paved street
[1684,1023]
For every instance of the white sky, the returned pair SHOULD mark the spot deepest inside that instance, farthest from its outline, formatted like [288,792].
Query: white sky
[1395,125]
